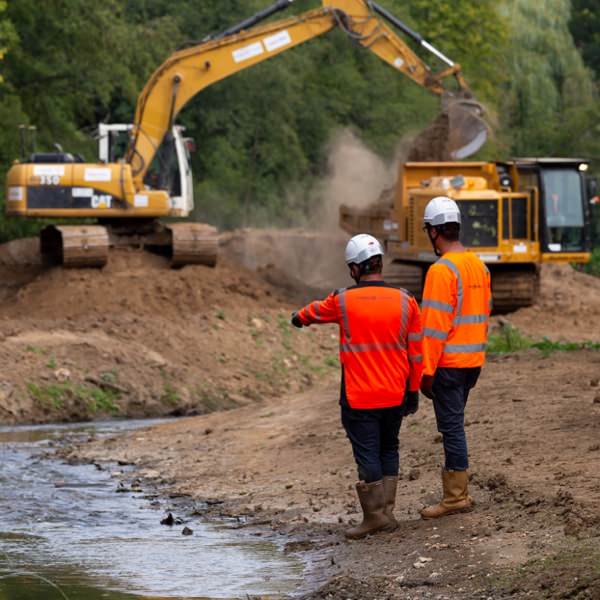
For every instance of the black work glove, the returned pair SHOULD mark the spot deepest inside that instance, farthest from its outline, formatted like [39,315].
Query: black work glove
[427,386]
[411,403]
[296,322]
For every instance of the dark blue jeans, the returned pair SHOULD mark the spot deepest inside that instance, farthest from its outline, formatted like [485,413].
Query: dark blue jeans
[451,388]
[374,438]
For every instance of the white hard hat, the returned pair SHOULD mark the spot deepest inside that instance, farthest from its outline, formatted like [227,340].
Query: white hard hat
[441,210]
[362,247]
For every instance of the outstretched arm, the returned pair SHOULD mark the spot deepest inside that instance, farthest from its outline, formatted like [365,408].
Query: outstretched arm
[325,311]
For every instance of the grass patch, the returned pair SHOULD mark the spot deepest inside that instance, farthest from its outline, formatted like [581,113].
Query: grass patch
[572,572]
[48,395]
[285,328]
[56,395]
[36,350]
[51,364]
[332,361]
[310,366]
[593,267]
[98,399]
[510,339]
[170,395]
[110,377]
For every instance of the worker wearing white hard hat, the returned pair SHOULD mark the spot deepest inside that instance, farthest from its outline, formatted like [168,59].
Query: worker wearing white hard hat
[380,354]
[456,307]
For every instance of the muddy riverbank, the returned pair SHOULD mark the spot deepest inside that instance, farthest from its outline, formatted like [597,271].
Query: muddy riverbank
[139,339]
[285,463]
[83,531]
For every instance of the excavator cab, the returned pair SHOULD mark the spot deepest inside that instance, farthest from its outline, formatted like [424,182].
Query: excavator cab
[171,167]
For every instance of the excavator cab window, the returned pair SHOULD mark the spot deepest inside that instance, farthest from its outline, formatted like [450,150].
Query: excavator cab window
[164,173]
[564,229]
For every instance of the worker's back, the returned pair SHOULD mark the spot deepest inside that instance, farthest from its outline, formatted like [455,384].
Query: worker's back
[380,338]
[456,309]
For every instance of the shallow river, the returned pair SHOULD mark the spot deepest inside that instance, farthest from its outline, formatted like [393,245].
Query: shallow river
[65,533]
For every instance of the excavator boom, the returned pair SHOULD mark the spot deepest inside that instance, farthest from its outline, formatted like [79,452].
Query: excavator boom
[128,196]
[190,70]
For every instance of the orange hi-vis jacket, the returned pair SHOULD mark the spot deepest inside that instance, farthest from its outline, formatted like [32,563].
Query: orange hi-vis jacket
[457,301]
[380,341]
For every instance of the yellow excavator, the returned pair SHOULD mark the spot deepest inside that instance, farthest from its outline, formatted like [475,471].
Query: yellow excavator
[127,196]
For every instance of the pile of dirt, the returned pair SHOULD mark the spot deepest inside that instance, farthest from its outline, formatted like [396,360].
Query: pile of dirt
[139,283]
[568,307]
[138,338]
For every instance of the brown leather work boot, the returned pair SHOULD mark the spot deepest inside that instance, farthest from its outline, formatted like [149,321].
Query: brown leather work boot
[372,501]
[456,496]
[390,484]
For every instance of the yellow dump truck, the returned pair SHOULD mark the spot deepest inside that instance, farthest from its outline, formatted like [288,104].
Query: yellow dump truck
[516,215]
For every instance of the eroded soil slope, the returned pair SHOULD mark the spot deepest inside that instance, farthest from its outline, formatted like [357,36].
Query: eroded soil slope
[568,307]
[138,338]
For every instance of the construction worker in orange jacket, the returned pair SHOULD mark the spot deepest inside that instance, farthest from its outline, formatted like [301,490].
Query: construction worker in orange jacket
[456,308]
[380,354]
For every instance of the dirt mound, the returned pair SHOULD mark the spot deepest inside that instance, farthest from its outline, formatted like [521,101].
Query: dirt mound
[568,307]
[138,338]
[20,252]
[138,283]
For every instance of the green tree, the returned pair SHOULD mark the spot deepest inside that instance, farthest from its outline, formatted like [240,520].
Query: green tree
[585,28]
[549,105]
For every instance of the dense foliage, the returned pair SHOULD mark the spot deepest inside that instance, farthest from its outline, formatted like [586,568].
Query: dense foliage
[262,135]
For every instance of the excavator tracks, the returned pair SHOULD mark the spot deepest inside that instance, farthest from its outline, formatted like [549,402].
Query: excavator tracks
[514,287]
[75,246]
[87,246]
[193,244]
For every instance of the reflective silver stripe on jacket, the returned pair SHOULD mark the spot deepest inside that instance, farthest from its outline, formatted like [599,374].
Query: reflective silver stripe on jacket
[438,334]
[403,319]
[459,318]
[415,358]
[344,309]
[459,285]
[464,348]
[470,319]
[315,306]
[371,347]
[443,306]
[415,337]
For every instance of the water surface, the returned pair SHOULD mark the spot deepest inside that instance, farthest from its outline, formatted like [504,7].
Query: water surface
[66,524]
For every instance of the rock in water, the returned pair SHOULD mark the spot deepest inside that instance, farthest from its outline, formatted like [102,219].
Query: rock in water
[168,520]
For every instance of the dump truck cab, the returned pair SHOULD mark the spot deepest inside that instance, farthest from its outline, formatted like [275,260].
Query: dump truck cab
[563,213]
[516,215]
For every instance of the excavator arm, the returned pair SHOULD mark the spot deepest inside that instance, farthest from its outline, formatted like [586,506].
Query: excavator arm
[188,71]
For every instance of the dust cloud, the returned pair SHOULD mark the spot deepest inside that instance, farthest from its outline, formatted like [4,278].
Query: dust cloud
[356,177]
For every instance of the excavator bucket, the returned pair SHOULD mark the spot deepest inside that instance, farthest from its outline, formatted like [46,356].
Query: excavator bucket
[456,133]
[467,131]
